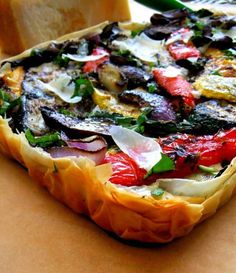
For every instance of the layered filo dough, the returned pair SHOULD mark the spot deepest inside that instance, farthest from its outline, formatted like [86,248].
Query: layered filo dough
[125,211]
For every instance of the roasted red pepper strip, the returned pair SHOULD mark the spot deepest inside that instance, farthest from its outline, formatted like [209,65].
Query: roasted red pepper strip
[176,86]
[187,151]
[199,150]
[125,170]
[92,66]
[180,49]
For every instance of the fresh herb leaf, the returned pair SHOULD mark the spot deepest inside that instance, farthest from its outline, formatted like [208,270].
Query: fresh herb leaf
[83,87]
[198,29]
[127,54]
[216,72]
[152,65]
[135,32]
[230,53]
[164,165]
[141,120]
[36,52]
[157,192]
[66,112]
[6,103]
[61,60]
[124,121]
[152,88]
[128,122]
[188,23]
[121,52]
[43,141]
[206,169]
[199,25]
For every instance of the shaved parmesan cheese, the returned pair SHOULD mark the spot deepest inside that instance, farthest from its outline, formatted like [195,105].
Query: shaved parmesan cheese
[189,187]
[80,58]
[185,37]
[232,33]
[219,33]
[145,151]
[142,47]
[62,87]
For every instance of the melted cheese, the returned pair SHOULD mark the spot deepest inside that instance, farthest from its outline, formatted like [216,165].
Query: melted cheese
[213,86]
[110,103]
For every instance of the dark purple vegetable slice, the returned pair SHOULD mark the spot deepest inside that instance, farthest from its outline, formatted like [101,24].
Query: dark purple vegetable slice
[224,22]
[224,42]
[160,32]
[172,16]
[75,127]
[122,60]
[135,76]
[161,108]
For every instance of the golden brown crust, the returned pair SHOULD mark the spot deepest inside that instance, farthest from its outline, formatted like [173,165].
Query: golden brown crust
[84,187]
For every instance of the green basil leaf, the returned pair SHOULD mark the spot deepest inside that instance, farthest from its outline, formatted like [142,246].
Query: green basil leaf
[6,103]
[36,52]
[61,61]
[230,53]
[164,165]
[43,141]
[83,87]
[216,72]
[66,112]
[152,88]
[135,32]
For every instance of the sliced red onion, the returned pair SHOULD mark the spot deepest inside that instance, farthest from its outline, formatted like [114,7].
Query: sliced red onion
[90,144]
[93,147]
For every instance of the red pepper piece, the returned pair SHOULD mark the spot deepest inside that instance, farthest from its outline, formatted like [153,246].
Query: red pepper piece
[176,86]
[187,151]
[125,170]
[92,66]
[204,150]
[180,49]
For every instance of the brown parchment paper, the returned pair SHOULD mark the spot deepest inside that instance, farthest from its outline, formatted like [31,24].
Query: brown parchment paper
[40,235]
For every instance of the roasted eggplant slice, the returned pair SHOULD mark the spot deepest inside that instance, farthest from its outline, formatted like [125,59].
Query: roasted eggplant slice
[161,108]
[74,127]
[135,76]
[172,16]
[160,32]
[213,115]
[30,116]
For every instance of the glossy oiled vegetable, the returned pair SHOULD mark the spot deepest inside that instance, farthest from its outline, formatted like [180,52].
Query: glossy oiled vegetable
[130,189]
